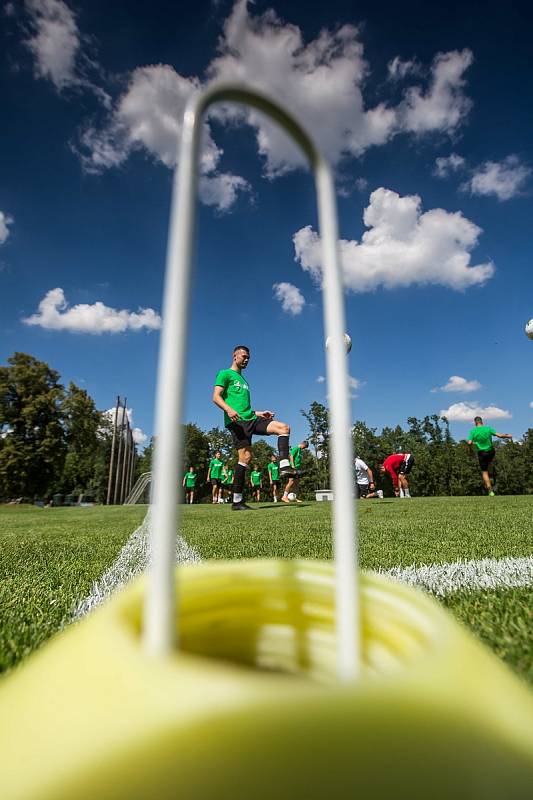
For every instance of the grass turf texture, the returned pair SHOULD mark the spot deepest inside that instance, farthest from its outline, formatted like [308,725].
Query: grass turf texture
[51,557]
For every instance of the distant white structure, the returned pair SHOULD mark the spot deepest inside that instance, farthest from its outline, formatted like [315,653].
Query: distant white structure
[323,494]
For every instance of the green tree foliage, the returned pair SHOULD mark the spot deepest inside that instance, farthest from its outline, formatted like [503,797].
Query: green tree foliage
[318,422]
[196,453]
[33,441]
[221,439]
[85,464]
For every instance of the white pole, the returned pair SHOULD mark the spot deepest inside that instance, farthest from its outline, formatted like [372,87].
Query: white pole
[159,626]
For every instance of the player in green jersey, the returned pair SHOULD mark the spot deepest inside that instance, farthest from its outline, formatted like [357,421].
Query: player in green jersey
[273,476]
[214,475]
[232,395]
[481,437]
[256,482]
[189,482]
[227,482]
[296,462]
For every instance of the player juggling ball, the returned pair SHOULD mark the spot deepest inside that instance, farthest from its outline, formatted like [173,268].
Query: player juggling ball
[291,489]
[481,437]
[232,395]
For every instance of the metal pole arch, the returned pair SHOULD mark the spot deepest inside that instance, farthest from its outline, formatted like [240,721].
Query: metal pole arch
[159,625]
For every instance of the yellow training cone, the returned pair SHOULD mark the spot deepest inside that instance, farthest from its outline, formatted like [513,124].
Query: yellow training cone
[250,707]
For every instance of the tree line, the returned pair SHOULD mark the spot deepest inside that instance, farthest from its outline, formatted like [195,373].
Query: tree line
[53,440]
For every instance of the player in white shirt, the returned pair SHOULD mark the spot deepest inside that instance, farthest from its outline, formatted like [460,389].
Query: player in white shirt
[364,480]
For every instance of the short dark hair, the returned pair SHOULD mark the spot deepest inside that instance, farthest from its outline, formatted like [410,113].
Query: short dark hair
[241,347]
[478,419]
[305,442]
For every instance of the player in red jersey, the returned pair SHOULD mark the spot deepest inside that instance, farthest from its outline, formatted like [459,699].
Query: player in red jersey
[399,465]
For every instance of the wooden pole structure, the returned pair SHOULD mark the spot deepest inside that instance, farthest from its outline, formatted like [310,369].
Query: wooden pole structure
[120,443]
[112,457]
[125,460]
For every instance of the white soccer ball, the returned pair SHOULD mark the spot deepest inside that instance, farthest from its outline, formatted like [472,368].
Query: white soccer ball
[529,329]
[347,342]
[291,496]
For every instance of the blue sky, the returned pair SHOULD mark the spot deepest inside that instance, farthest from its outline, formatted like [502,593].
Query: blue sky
[425,112]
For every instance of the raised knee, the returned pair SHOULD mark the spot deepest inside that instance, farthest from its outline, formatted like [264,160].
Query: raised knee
[285,429]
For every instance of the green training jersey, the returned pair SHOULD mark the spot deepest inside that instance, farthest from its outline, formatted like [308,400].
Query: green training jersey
[296,453]
[482,435]
[273,469]
[236,394]
[229,476]
[255,477]
[190,480]
[216,466]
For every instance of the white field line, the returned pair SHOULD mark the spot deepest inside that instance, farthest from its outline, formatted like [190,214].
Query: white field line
[439,579]
[457,576]
[131,561]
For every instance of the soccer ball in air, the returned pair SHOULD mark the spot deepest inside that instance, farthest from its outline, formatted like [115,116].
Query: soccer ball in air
[291,496]
[529,329]
[347,342]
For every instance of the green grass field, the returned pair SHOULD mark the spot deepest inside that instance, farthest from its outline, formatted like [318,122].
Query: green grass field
[51,557]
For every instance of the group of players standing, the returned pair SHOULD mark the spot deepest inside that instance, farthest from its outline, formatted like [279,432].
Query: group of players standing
[221,478]
[232,395]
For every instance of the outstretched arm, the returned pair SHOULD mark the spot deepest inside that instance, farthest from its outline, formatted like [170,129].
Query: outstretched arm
[504,435]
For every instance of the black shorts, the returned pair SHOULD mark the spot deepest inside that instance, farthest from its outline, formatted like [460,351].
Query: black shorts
[363,489]
[275,484]
[407,465]
[228,486]
[243,430]
[485,458]
[216,482]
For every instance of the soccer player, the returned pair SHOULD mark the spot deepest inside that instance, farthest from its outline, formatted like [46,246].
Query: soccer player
[189,482]
[256,482]
[296,463]
[214,474]
[399,465]
[481,437]
[273,476]
[232,395]
[227,481]
[364,480]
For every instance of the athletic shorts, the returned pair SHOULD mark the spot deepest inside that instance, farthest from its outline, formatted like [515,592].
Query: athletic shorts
[407,465]
[363,489]
[243,430]
[216,482]
[485,457]
[275,484]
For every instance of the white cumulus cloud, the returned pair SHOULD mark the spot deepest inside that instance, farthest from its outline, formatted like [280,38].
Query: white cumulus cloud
[148,118]
[54,314]
[321,379]
[402,246]
[457,384]
[291,299]
[54,42]
[5,222]
[504,179]
[138,435]
[465,412]
[444,105]
[531,404]
[445,165]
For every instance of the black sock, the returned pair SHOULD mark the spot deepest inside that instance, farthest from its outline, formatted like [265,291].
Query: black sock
[238,479]
[283,446]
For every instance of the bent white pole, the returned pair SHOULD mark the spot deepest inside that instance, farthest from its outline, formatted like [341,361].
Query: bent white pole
[160,628]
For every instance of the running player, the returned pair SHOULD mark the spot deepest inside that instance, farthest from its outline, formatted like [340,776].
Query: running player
[256,482]
[399,465]
[481,437]
[296,463]
[214,474]
[364,480]
[232,395]
[189,482]
[273,476]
